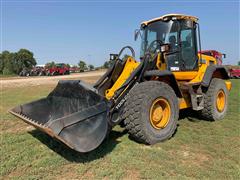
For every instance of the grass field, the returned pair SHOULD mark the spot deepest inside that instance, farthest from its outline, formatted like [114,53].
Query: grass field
[7,76]
[199,149]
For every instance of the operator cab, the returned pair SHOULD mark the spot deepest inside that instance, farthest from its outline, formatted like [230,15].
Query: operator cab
[178,32]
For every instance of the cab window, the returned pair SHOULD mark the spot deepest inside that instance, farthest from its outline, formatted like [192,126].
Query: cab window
[188,50]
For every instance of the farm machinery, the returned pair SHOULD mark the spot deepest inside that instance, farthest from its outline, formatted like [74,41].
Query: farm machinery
[216,54]
[35,71]
[58,69]
[234,73]
[143,96]
[25,72]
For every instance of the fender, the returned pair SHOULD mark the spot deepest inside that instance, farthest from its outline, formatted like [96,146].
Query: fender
[214,71]
[165,73]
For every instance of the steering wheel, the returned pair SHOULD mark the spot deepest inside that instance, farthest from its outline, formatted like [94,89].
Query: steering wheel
[154,46]
[124,48]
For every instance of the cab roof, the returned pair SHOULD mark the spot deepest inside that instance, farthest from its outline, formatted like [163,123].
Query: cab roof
[177,16]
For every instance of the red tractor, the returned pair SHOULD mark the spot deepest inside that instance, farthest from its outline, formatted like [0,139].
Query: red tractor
[234,73]
[216,54]
[58,69]
[74,69]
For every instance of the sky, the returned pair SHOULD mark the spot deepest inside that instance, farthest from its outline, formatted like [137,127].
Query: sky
[69,31]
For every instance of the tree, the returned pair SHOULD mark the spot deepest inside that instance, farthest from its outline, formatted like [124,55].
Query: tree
[238,63]
[14,62]
[108,64]
[1,63]
[68,65]
[50,64]
[82,66]
[7,63]
[90,67]
[23,59]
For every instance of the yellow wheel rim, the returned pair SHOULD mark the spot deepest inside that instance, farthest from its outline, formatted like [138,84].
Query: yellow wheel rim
[160,113]
[220,101]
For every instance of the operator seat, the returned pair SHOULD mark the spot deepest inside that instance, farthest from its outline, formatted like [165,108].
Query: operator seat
[172,57]
[173,41]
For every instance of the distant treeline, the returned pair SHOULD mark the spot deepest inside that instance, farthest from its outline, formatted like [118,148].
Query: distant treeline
[14,62]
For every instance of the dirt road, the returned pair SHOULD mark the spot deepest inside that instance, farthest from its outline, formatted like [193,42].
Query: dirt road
[34,81]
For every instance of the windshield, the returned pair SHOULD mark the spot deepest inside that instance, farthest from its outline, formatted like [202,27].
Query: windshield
[160,30]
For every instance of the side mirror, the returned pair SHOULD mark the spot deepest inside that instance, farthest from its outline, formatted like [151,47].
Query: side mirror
[137,32]
[113,57]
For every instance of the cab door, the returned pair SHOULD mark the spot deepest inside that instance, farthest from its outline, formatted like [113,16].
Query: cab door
[188,55]
[188,58]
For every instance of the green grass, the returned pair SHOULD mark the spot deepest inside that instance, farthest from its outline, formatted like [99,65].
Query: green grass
[199,149]
[3,76]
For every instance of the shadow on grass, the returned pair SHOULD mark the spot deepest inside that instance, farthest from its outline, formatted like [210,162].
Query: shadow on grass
[191,115]
[71,155]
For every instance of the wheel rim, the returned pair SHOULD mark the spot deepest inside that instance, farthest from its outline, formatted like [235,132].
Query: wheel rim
[160,113]
[220,101]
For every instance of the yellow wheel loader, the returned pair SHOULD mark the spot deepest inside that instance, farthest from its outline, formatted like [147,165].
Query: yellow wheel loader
[144,96]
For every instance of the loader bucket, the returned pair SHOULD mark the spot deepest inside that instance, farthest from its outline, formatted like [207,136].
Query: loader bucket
[72,113]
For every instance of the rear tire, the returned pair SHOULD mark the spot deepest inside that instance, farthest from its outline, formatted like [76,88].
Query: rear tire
[138,108]
[67,73]
[41,74]
[212,109]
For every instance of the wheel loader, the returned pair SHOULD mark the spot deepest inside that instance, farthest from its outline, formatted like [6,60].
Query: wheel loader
[143,96]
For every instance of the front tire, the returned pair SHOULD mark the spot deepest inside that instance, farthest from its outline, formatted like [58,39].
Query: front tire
[215,100]
[151,112]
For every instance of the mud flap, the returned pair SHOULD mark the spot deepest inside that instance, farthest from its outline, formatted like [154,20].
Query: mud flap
[73,113]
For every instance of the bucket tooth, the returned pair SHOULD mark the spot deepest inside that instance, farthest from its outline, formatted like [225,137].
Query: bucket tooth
[27,118]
